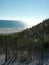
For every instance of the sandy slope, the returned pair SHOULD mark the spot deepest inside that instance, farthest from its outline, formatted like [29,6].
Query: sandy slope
[33,62]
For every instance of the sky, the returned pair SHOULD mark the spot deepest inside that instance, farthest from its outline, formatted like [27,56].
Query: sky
[30,12]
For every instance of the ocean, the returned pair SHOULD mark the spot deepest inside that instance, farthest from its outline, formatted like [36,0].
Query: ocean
[11,24]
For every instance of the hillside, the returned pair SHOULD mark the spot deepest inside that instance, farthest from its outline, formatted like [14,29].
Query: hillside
[37,35]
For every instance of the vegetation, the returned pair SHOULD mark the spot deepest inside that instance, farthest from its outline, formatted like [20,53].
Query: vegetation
[27,41]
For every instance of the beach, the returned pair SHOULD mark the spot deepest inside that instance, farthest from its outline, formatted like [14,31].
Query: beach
[10,30]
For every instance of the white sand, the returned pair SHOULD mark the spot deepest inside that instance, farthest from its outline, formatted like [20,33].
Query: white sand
[9,30]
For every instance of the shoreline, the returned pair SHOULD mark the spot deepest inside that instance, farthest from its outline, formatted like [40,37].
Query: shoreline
[10,30]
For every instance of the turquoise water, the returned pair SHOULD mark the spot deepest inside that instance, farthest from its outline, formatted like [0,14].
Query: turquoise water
[11,24]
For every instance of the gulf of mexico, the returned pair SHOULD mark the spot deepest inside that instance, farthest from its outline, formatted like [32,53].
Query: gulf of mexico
[11,26]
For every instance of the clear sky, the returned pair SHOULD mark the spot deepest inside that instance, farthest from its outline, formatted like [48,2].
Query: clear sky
[29,11]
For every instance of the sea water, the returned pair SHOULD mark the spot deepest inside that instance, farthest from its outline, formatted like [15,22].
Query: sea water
[11,24]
